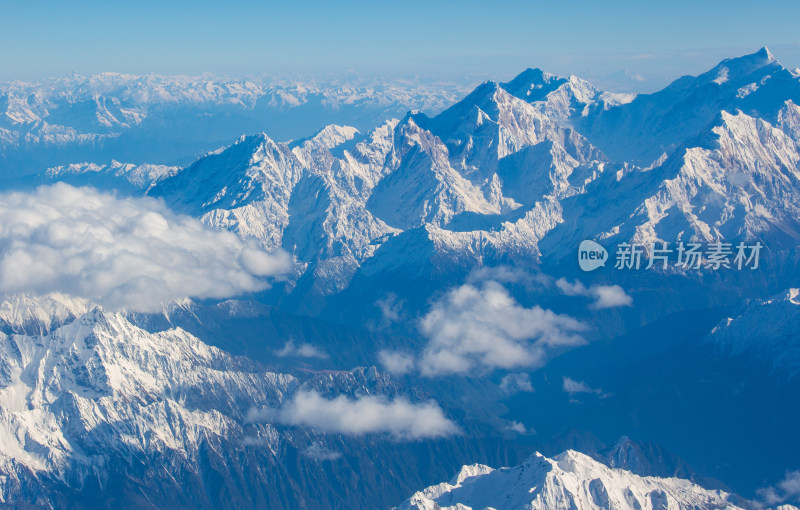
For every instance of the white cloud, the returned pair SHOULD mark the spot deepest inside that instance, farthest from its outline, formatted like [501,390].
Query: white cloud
[605,296]
[508,274]
[515,383]
[290,350]
[483,328]
[572,289]
[397,363]
[610,296]
[519,428]
[390,306]
[320,452]
[573,387]
[364,415]
[787,490]
[121,252]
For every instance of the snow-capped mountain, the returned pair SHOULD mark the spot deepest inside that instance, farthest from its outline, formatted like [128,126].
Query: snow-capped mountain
[650,125]
[513,174]
[354,192]
[163,119]
[91,402]
[568,480]
[124,177]
[507,174]
[98,387]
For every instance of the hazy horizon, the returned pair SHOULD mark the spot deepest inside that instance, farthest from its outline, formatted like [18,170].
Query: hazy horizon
[617,45]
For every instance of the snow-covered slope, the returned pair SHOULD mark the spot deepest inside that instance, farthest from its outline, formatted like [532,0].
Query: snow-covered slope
[767,330]
[94,406]
[29,314]
[62,389]
[652,124]
[743,183]
[568,481]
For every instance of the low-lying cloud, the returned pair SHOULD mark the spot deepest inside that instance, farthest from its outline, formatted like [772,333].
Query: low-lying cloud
[400,418]
[484,328]
[121,252]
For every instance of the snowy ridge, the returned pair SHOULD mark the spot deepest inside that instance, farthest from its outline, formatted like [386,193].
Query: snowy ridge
[743,184]
[172,120]
[123,100]
[100,369]
[140,177]
[29,314]
[570,480]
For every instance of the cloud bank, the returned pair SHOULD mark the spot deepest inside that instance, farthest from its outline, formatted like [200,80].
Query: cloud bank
[121,253]
[364,415]
[484,328]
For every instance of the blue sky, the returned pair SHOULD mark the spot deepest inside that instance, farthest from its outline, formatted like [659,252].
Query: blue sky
[652,42]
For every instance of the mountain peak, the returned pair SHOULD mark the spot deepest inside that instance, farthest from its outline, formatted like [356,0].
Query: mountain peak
[328,137]
[533,84]
[740,68]
[765,53]
[569,480]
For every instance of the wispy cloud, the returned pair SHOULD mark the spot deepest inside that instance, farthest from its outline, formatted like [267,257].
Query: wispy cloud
[574,387]
[290,350]
[605,296]
[396,362]
[515,383]
[320,452]
[121,253]
[400,418]
[391,308]
[787,490]
[519,428]
[509,275]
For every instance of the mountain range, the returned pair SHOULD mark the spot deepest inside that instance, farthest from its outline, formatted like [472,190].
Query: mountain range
[434,279]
